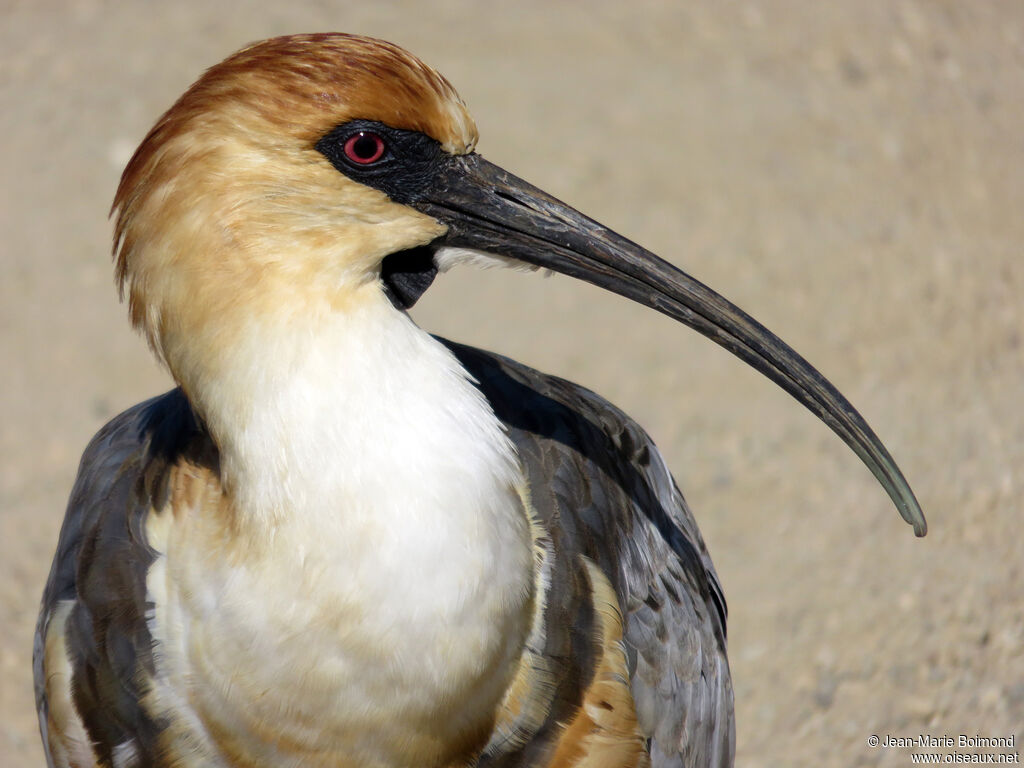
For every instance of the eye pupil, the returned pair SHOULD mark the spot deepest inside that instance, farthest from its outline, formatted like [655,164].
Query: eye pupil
[364,147]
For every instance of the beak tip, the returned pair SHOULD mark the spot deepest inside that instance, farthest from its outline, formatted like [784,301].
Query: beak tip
[913,514]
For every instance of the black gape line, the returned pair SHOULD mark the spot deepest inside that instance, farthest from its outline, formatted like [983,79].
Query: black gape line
[407,275]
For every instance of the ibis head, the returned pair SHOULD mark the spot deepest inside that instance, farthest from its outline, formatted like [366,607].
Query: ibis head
[308,173]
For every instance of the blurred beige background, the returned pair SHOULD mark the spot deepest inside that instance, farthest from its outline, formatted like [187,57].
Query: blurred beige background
[851,173]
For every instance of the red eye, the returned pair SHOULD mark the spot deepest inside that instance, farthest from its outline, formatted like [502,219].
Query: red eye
[364,147]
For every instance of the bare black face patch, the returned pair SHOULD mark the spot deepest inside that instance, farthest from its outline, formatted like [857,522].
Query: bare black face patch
[401,164]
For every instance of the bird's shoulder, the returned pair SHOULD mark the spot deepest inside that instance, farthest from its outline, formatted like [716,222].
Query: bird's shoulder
[125,466]
[93,649]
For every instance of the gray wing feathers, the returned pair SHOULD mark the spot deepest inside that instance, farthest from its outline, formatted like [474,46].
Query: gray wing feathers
[100,568]
[632,521]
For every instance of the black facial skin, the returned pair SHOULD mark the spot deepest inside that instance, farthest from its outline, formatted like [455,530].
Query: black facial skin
[408,274]
[404,172]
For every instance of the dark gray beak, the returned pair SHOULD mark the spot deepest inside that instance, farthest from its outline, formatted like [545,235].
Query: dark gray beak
[489,209]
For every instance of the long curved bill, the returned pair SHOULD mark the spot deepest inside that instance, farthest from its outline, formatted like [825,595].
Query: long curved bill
[489,209]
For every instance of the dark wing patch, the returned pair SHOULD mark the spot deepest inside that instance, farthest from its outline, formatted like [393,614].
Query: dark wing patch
[100,567]
[632,522]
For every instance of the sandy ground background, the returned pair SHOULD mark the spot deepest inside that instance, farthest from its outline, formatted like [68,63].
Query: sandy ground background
[852,173]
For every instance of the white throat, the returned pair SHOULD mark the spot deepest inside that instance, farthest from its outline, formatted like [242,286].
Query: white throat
[361,405]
